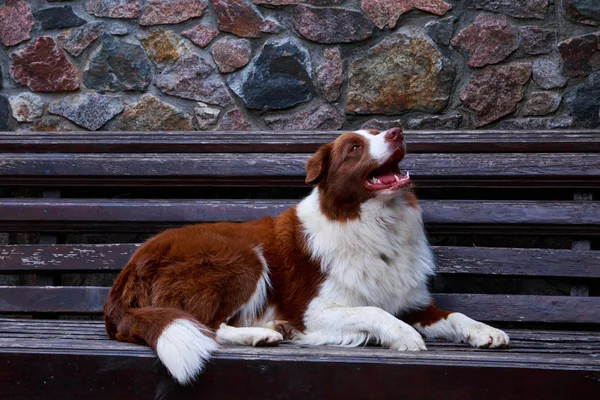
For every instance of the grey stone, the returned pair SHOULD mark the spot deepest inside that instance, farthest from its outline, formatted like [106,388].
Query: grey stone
[382,125]
[4,111]
[192,77]
[583,101]
[52,123]
[58,18]
[331,24]
[536,40]
[441,30]
[402,73]
[234,120]
[206,116]
[117,29]
[322,117]
[114,8]
[278,77]
[152,114]
[435,122]
[26,106]
[515,8]
[541,103]
[90,110]
[547,74]
[560,122]
[117,65]
[330,74]
[78,39]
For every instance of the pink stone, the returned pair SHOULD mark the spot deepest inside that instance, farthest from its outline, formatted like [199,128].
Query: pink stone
[488,40]
[277,2]
[16,22]
[330,74]
[78,39]
[231,54]
[114,8]
[159,12]
[387,12]
[234,120]
[201,35]
[239,17]
[43,67]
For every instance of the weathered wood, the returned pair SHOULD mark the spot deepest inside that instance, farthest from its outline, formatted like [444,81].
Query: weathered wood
[449,260]
[518,308]
[299,141]
[575,170]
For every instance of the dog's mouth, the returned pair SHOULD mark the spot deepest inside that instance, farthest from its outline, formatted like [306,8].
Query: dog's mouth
[388,175]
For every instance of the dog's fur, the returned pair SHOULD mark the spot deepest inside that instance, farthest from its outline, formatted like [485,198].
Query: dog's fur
[348,265]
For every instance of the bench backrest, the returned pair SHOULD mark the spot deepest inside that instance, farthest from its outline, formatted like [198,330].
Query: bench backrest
[511,215]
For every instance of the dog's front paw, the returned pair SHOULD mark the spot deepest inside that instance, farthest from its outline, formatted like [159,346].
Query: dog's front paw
[485,337]
[267,338]
[409,341]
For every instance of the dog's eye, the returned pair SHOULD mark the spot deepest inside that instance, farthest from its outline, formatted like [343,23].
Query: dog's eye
[354,148]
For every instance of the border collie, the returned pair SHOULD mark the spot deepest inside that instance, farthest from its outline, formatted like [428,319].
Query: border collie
[348,265]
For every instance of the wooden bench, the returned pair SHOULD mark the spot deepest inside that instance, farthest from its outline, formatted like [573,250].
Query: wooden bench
[511,217]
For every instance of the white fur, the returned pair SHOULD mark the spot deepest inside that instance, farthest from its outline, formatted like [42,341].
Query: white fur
[381,260]
[184,348]
[460,328]
[255,306]
[379,149]
[248,336]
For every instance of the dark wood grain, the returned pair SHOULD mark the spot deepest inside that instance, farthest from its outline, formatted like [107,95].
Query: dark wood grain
[300,141]
[449,260]
[428,170]
[518,308]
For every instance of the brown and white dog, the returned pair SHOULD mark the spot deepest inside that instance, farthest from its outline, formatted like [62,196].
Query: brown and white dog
[348,265]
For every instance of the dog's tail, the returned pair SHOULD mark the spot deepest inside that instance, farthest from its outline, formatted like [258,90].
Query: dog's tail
[182,343]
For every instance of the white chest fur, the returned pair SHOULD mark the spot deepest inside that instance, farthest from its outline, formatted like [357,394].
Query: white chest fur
[381,259]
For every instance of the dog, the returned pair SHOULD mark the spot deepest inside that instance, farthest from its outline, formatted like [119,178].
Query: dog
[348,265]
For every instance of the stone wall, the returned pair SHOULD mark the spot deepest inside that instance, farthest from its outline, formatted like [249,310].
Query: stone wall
[292,64]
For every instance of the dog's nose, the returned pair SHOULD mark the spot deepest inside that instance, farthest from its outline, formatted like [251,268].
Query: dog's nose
[394,135]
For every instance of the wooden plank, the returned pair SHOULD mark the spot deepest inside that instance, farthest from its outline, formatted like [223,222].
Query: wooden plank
[449,260]
[574,170]
[519,308]
[299,141]
[441,216]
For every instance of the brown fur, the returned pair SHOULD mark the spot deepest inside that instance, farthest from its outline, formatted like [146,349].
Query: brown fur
[426,317]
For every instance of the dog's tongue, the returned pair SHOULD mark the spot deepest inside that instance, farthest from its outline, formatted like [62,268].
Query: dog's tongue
[388,178]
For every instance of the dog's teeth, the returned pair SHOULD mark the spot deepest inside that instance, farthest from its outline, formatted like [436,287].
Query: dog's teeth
[407,175]
[376,180]
[396,177]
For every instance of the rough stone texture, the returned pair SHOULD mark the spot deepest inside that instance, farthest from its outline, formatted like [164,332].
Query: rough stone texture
[580,55]
[278,77]
[541,103]
[4,111]
[547,74]
[58,18]
[271,25]
[152,114]
[158,12]
[206,116]
[405,72]
[162,45]
[43,67]
[331,25]
[90,110]
[435,122]
[234,120]
[26,107]
[201,34]
[560,122]
[382,125]
[516,8]
[78,39]
[277,2]
[505,82]
[488,40]
[583,101]
[114,8]
[117,65]
[192,77]
[118,29]
[583,11]
[387,12]
[330,74]
[16,22]
[53,124]
[323,117]
[536,40]
[441,30]
[231,54]
[239,17]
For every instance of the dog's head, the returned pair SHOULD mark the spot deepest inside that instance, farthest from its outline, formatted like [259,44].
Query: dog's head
[356,167]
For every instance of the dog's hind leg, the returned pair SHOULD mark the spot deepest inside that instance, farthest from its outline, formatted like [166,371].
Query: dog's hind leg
[248,336]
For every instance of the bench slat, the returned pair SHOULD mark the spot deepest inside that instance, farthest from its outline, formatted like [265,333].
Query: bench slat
[450,260]
[299,141]
[442,216]
[520,308]
[428,170]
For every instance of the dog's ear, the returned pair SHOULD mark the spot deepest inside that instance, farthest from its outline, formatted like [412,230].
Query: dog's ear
[317,165]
